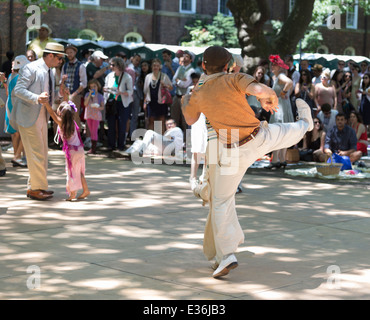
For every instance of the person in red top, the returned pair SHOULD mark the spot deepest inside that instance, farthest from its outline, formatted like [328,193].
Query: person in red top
[237,140]
[361,132]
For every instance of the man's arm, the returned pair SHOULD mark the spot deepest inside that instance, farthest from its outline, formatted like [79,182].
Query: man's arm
[265,95]
[25,79]
[191,114]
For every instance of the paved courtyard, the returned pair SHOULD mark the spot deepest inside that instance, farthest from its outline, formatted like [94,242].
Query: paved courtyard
[139,236]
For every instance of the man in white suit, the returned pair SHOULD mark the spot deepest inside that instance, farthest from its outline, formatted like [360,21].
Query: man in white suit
[34,87]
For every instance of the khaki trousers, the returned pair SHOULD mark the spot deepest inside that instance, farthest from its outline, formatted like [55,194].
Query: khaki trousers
[226,168]
[35,143]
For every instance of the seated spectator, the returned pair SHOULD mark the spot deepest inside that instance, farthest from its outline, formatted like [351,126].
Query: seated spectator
[327,116]
[154,143]
[355,121]
[313,143]
[341,139]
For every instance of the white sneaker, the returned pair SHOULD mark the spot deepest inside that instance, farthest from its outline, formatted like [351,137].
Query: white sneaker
[193,183]
[227,263]
[304,112]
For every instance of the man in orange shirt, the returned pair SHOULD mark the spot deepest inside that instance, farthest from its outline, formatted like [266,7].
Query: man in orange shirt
[238,140]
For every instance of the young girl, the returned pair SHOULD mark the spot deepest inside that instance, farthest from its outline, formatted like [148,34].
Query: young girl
[73,148]
[94,102]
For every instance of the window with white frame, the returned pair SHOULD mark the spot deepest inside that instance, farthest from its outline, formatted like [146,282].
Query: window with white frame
[31,34]
[349,51]
[91,2]
[352,16]
[133,37]
[322,49]
[223,8]
[188,6]
[135,4]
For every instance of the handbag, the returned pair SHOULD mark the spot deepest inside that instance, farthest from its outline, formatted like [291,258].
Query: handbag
[111,104]
[166,96]
[110,107]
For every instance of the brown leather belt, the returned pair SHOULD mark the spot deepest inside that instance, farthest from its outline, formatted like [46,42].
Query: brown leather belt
[243,141]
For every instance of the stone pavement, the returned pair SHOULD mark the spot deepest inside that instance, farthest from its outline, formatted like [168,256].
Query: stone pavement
[139,236]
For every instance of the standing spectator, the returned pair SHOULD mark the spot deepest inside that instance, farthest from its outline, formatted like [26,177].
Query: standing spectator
[325,92]
[34,87]
[305,90]
[365,99]
[76,80]
[154,82]
[169,67]
[135,66]
[182,80]
[259,75]
[282,85]
[95,69]
[340,66]
[337,82]
[11,127]
[38,45]
[356,81]
[118,86]
[179,54]
[94,103]
[6,67]
[293,74]
[317,72]
[363,67]
[145,70]
[31,55]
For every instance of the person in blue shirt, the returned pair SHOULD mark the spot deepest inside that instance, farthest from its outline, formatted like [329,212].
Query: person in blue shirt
[169,66]
[342,140]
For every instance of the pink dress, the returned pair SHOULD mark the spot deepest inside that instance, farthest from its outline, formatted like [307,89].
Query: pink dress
[75,159]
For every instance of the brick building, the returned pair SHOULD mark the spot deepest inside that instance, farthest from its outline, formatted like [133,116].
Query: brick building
[157,21]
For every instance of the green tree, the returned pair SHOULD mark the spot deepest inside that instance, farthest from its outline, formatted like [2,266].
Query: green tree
[43,4]
[220,31]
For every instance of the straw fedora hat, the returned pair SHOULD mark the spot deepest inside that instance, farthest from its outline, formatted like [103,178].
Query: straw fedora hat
[54,47]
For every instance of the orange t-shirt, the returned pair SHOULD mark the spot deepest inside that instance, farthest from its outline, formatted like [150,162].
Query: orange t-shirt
[221,98]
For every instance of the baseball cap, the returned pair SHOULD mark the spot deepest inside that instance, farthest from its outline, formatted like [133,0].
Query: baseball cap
[99,54]
[216,56]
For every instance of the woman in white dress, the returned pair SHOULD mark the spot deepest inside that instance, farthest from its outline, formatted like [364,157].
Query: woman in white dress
[282,86]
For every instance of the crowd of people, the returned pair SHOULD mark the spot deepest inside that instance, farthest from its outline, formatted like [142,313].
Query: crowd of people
[116,95]
[234,118]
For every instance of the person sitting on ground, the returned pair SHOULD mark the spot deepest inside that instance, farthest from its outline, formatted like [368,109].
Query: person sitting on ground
[356,123]
[342,140]
[327,116]
[156,144]
[313,143]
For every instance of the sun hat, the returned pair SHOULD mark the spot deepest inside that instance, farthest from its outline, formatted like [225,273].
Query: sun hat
[216,56]
[45,26]
[20,62]
[54,47]
[275,59]
[99,54]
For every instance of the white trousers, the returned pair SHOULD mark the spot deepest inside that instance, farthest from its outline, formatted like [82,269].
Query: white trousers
[226,168]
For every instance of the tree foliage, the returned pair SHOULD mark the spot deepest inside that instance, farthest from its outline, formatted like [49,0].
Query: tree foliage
[220,31]
[43,4]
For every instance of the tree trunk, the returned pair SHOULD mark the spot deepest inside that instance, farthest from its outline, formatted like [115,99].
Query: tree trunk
[250,17]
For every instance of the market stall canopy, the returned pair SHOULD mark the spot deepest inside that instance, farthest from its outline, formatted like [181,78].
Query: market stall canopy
[328,60]
[147,51]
